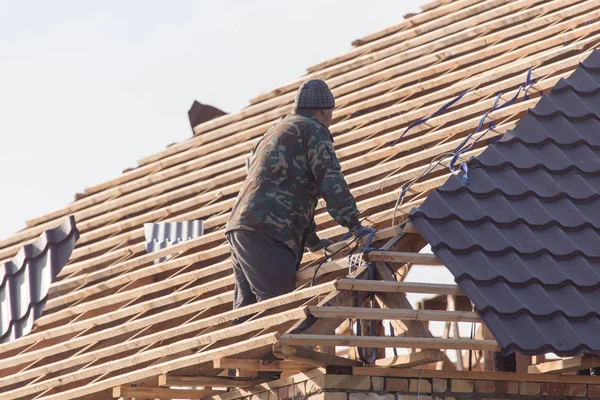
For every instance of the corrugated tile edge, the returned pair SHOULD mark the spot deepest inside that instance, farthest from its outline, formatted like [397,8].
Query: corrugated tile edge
[26,279]
[167,234]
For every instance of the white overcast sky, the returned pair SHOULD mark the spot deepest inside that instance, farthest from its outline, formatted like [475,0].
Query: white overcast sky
[89,87]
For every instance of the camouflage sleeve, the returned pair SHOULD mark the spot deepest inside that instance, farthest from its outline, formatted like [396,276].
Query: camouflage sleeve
[332,186]
[311,235]
[252,154]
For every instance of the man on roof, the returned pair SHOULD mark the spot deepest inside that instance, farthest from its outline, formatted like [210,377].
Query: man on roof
[272,220]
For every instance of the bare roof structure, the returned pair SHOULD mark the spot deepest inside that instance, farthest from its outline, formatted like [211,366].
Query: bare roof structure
[410,101]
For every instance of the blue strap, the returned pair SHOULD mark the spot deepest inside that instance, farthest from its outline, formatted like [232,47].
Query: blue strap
[528,83]
[459,149]
[421,121]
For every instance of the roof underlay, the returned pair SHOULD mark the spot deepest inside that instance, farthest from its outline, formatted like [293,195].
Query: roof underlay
[114,317]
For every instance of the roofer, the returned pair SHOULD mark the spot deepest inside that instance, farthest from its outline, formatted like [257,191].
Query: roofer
[273,217]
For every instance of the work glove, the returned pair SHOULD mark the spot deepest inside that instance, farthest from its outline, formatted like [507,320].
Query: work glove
[323,243]
[363,231]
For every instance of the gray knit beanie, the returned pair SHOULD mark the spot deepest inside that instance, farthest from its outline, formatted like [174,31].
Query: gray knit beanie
[314,94]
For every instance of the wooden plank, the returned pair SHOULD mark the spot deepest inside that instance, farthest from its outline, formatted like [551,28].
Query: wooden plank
[418,19]
[162,393]
[402,257]
[145,340]
[418,53]
[388,313]
[135,375]
[398,301]
[156,352]
[473,375]
[527,10]
[315,358]
[315,377]
[397,287]
[262,365]
[386,341]
[229,382]
[565,365]
[410,359]
[552,24]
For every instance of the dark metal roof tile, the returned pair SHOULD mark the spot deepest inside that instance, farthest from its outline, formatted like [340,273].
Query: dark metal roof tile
[499,209]
[493,238]
[535,299]
[518,269]
[521,235]
[517,184]
[530,335]
[569,103]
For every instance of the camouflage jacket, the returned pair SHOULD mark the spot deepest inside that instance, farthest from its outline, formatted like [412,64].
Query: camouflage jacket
[292,165]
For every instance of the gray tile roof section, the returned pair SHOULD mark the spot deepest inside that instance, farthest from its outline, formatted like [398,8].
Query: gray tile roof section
[26,279]
[163,235]
[522,236]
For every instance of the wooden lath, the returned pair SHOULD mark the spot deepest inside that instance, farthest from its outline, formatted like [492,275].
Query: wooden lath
[261,365]
[161,393]
[387,342]
[542,23]
[565,365]
[314,358]
[393,286]
[396,314]
[410,359]
[226,382]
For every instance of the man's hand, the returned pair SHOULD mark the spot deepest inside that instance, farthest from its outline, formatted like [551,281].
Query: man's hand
[323,243]
[363,231]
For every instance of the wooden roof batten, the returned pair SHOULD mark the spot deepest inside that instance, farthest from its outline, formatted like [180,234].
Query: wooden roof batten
[173,319]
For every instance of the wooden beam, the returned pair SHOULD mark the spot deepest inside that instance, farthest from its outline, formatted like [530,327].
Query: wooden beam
[315,376]
[262,365]
[157,353]
[411,359]
[398,301]
[397,287]
[388,313]
[402,258]
[162,393]
[189,308]
[311,357]
[565,365]
[173,380]
[381,234]
[472,375]
[386,341]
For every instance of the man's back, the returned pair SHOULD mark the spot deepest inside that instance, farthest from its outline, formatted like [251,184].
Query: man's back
[280,194]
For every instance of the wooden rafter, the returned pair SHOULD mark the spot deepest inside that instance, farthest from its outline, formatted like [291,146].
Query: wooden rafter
[387,342]
[565,365]
[261,365]
[161,393]
[394,286]
[402,258]
[397,314]
[183,381]
[315,358]
[473,375]
[410,359]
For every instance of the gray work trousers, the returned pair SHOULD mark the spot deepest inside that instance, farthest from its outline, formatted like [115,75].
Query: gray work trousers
[263,267]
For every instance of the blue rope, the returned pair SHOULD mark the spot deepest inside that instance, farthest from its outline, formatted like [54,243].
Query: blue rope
[421,121]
